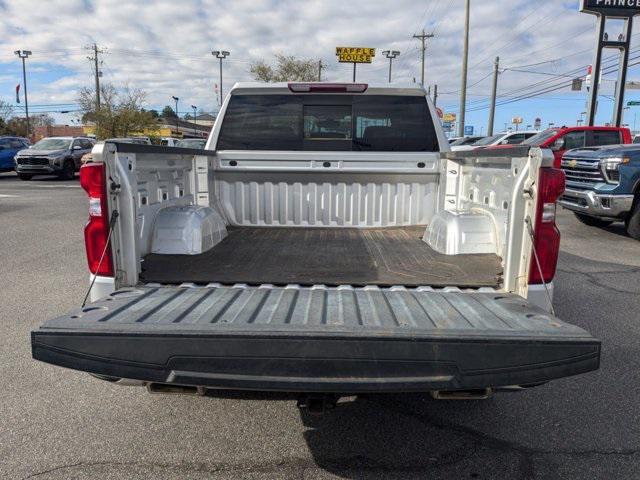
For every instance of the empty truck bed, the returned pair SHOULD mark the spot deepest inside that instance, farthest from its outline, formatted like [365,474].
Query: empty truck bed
[327,256]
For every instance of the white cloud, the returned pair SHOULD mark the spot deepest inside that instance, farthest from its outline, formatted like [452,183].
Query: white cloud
[164,46]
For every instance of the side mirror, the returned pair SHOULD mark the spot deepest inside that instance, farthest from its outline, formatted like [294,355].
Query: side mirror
[504,142]
[558,145]
[77,147]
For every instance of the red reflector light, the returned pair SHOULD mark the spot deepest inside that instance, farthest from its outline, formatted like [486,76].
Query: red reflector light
[96,232]
[551,185]
[328,87]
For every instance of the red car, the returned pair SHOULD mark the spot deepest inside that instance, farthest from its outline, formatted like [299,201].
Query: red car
[559,140]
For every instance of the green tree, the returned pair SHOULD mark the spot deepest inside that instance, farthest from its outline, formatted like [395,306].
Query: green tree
[121,113]
[168,112]
[287,69]
[17,126]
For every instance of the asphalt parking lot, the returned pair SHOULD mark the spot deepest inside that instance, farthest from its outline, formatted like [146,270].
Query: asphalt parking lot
[56,423]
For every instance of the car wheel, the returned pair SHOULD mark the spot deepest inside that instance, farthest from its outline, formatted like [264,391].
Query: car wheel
[25,176]
[633,221]
[68,170]
[592,221]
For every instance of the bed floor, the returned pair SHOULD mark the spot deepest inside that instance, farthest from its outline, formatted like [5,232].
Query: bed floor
[327,256]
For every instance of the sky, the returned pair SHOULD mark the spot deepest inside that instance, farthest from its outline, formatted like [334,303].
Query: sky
[164,47]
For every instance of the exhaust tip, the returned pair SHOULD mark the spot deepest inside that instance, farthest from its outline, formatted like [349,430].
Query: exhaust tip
[167,388]
[473,394]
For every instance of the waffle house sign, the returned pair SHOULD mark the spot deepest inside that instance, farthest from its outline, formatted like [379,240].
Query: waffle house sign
[356,54]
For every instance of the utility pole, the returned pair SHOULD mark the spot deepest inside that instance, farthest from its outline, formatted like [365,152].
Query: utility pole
[24,54]
[390,54]
[435,95]
[195,121]
[97,73]
[494,93]
[465,65]
[177,116]
[423,38]
[320,67]
[221,54]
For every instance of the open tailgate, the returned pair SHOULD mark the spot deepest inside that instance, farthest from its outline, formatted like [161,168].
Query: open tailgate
[339,340]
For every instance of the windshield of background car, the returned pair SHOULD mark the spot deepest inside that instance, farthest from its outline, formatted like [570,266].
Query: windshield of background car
[488,140]
[375,123]
[461,142]
[52,144]
[541,138]
[191,143]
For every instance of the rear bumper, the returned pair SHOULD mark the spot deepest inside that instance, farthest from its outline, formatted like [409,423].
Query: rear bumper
[597,205]
[329,365]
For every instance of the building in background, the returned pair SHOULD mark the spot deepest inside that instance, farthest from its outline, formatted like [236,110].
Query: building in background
[57,131]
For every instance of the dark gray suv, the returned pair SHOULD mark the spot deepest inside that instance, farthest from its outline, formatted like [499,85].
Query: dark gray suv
[53,155]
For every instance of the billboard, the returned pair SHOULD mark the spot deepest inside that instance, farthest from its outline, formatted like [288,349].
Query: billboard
[449,117]
[355,54]
[611,8]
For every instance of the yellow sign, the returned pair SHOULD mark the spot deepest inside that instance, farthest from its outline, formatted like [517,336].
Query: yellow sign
[355,54]
[449,117]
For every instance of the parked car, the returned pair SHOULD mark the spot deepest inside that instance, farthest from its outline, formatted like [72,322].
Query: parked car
[196,143]
[464,141]
[53,155]
[603,186]
[505,138]
[559,140]
[9,147]
[137,140]
[169,141]
[636,139]
[293,257]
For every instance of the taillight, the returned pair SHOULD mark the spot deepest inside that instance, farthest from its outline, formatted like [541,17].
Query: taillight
[551,185]
[96,232]
[328,87]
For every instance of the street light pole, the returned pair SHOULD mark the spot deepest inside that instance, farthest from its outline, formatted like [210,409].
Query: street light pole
[465,64]
[177,116]
[24,54]
[195,122]
[221,54]
[390,54]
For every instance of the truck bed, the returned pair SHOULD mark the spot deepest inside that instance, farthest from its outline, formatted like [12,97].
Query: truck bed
[296,339]
[327,256]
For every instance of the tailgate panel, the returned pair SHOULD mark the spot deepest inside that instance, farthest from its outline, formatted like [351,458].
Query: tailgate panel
[317,339]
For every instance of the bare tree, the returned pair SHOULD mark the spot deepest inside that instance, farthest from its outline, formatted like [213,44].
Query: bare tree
[287,69]
[6,110]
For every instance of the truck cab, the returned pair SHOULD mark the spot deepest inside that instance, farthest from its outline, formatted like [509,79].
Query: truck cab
[559,140]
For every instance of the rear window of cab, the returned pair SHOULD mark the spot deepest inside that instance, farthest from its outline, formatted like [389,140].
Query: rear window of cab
[375,123]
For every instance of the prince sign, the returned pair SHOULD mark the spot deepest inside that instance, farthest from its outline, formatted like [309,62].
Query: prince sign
[611,8]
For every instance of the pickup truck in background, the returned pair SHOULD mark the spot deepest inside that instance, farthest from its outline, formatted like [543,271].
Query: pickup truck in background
[559,140]
[603,186]
[325,243]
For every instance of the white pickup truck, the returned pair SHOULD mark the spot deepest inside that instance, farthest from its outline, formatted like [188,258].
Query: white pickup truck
[326,242]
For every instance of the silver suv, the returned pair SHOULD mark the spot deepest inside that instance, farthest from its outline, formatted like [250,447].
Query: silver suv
[53,155]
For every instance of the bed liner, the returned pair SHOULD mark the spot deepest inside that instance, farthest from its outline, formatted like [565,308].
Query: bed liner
[328,256]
